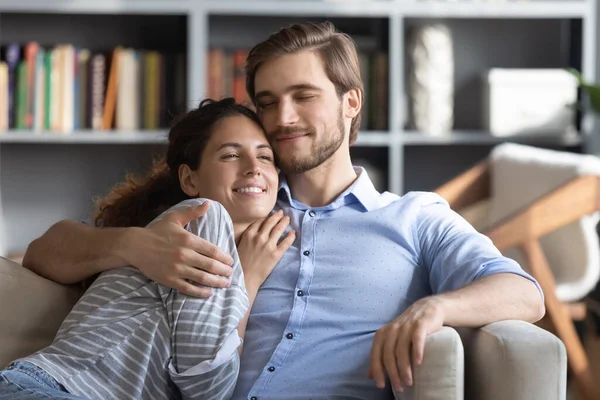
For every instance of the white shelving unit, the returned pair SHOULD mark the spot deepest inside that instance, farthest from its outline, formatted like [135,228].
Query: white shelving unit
[87,163]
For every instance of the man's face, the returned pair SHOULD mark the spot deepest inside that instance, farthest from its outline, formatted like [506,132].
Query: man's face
[300,110]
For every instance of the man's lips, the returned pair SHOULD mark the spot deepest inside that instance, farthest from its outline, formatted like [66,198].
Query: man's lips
[285,138]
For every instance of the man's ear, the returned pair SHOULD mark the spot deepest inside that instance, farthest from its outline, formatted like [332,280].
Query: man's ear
[352,103]
[187,182]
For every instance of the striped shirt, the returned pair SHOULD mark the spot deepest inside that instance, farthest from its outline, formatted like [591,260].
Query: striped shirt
[131,338]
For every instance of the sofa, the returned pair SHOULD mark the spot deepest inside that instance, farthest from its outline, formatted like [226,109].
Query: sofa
[508,360]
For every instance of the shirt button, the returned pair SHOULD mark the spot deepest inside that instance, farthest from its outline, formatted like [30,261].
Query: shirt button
[312,213]
[271,369]
[300,293]
[289,336]
[253,398]
[306,253]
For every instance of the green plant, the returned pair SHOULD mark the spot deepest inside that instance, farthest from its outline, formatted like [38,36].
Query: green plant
[593,91]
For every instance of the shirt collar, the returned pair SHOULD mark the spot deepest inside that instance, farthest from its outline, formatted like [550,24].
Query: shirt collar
[361,191]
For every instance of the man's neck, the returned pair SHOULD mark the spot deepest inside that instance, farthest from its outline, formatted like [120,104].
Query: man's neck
[320,186]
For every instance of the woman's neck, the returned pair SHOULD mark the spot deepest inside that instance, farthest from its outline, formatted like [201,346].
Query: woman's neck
[239,229]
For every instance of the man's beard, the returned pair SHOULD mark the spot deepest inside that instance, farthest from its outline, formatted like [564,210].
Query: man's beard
[292,163]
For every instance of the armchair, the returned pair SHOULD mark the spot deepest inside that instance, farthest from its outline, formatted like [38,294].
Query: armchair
[540,207]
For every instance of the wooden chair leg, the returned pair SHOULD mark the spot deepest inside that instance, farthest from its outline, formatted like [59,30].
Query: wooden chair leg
[560,317]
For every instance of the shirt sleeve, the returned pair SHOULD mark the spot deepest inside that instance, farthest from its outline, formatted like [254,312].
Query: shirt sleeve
[454,252]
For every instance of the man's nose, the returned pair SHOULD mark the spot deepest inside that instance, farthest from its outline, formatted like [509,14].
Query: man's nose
[286,114]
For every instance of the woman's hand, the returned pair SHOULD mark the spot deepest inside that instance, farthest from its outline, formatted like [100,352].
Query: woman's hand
[259,249]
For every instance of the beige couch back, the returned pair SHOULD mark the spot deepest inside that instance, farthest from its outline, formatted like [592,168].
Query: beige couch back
[31,310]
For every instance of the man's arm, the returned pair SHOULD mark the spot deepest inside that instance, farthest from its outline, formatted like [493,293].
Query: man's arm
[493,298]
[70,251]
[165,252]
[472,283]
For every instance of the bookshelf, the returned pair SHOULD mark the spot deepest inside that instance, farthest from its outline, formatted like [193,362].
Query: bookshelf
[45,177]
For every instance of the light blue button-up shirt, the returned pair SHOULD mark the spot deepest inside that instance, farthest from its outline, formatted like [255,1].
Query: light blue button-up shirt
[356,264]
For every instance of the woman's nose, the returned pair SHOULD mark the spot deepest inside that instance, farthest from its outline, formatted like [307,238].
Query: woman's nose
[253,168]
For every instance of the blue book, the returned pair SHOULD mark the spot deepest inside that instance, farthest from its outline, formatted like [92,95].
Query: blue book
[12,56]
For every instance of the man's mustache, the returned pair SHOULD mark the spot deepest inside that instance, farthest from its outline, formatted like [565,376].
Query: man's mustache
[290,130]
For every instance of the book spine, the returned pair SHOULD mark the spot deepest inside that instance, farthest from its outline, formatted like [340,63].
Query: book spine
[97,90]
[12,57]
[21,103]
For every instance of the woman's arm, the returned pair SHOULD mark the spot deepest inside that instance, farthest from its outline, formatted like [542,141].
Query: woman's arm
[165,252]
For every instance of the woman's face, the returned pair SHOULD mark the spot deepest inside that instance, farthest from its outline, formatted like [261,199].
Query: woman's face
[237,170]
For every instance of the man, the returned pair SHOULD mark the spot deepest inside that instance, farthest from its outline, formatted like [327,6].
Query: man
[369,276]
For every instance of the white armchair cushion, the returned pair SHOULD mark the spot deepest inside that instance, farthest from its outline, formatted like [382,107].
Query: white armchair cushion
[441,376]
[520,175]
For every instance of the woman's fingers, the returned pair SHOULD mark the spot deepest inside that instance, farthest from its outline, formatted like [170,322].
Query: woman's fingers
[286,243]
[269,224]
[279,229]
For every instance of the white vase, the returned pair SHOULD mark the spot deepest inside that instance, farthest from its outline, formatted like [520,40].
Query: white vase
[431,79]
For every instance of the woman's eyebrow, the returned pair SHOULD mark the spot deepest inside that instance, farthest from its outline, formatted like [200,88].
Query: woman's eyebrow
[239,146]
[229,144]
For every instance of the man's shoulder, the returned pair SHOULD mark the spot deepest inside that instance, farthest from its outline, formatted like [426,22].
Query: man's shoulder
[416,199]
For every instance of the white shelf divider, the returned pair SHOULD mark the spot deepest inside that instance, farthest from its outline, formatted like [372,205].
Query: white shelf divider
[97,6]
[496,9]
[411,138]
[92,137]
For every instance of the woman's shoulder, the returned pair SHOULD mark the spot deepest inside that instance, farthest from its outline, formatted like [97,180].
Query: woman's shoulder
[215,212]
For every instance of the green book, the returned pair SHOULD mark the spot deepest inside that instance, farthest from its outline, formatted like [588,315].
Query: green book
[21,95]
[48,88]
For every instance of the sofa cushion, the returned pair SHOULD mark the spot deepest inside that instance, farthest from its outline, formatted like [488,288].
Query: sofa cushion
[31,310]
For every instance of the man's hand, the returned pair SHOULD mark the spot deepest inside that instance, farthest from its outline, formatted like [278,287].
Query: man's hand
[170,255]
[392,344]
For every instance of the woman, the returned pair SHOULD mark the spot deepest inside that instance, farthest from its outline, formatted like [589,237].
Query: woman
[129,337]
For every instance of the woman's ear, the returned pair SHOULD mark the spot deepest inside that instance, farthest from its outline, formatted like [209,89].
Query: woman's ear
[352,103]
[187,182]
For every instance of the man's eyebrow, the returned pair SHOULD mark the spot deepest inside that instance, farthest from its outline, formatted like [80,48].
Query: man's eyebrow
[299,86]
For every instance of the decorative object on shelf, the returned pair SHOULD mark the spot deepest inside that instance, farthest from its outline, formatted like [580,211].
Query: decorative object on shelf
[431,79]
[529,102]
[590,120]
[592,90]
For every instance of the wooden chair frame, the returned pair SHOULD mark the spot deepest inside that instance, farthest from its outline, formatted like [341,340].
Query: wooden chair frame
[567,204]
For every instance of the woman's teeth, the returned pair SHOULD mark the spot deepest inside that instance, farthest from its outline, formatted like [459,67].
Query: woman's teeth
[249,190]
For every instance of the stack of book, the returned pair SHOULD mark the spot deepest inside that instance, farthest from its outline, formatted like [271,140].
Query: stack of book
[65,89]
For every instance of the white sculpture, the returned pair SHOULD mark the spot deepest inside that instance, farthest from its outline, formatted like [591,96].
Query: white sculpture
[431,79]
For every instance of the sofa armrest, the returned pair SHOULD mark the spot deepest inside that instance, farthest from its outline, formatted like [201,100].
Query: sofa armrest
[514,360]
[441,375]
[31,310]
